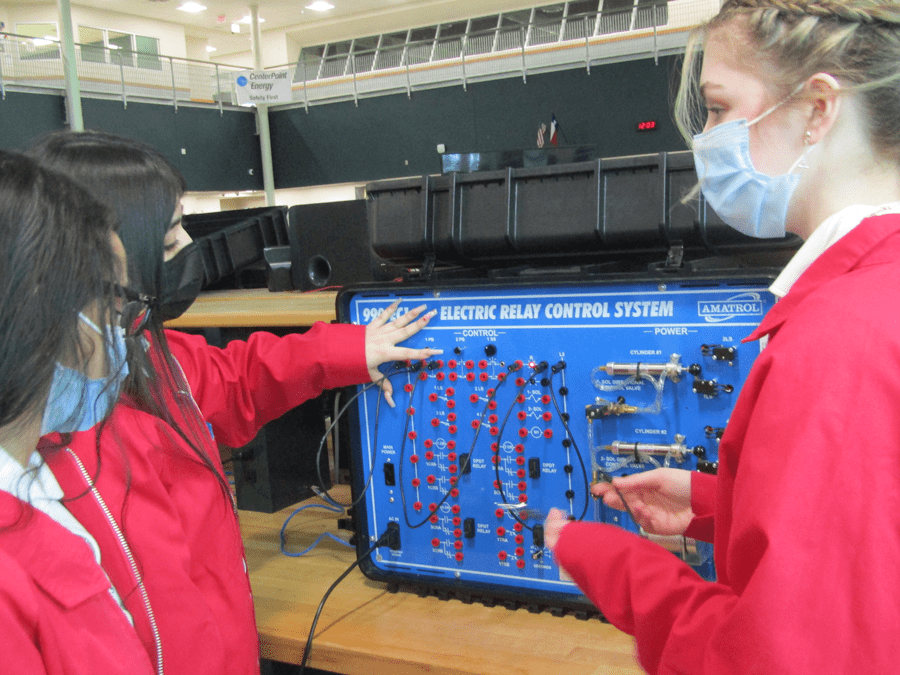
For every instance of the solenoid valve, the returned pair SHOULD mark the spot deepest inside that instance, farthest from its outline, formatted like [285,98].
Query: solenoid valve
[677,449]
[672,370]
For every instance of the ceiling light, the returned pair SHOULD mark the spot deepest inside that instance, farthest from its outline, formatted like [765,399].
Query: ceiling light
[246,19]
[320,6]
[210,48]
[192,7]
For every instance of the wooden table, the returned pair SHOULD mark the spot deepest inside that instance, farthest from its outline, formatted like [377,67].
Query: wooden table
[253,307]
[364,628]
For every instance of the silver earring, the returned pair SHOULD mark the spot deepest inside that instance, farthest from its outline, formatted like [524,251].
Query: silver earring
[802,163]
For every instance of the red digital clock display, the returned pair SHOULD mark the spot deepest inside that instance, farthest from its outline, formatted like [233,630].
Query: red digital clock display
[649,125]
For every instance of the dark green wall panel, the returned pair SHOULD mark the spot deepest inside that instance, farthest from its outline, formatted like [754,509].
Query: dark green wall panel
[341,142]
[220,150]
[25,117]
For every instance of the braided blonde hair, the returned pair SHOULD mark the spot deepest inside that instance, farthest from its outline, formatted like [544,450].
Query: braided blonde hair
[856,41]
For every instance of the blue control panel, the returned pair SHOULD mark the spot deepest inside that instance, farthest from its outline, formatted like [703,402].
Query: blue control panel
[541,390]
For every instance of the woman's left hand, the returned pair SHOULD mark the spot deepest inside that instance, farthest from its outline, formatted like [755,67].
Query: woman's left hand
[553,526]
[383,336]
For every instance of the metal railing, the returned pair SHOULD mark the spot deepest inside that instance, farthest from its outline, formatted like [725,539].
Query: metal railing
[27,64]
[335,72]
[580,40]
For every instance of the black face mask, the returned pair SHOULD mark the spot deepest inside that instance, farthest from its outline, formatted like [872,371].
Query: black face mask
[182,280]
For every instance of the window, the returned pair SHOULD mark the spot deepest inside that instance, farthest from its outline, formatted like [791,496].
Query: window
[93,48]
[99,45]
[44,43]
[451,30]
[582,7]
[484,24]
[335,64]
[518,18]
[147,49]
[616,17]
[651,13]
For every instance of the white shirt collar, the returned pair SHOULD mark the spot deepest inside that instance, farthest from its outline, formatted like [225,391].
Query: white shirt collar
[37,485]
[30,484]
[831,230]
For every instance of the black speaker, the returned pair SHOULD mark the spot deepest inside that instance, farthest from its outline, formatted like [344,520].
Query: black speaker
[278,467]
[330,246]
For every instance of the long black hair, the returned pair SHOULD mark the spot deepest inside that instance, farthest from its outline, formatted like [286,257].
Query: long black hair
[143,189]
[56,260]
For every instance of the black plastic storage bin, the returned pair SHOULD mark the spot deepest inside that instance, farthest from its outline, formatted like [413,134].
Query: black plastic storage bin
[584,210]
[230,241]
[410,218]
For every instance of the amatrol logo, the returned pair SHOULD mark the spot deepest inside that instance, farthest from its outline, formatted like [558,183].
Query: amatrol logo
[737,306]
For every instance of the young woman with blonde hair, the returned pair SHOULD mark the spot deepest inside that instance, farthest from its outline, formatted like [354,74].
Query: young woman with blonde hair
[801,102]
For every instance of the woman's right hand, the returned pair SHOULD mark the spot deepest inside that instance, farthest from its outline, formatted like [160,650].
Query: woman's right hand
[660,500]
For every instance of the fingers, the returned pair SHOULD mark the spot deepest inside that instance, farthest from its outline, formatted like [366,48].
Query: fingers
[613,500]
[411,315]
[384,384]
[385,318]
[386,315]
[600,489]
[388,391]
[409,354]
[556,520]
[405,327]
[636,481]
[610,494]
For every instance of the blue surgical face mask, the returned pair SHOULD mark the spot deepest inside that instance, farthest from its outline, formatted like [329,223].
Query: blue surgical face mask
[749,201]
[77,402]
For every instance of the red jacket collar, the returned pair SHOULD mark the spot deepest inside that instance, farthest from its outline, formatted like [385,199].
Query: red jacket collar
[857,246]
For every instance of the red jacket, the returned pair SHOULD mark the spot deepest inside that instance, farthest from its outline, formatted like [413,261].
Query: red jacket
[181,570]
[807,510]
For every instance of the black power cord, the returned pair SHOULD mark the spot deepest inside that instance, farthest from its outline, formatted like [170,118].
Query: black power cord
[391,539]
[604,476]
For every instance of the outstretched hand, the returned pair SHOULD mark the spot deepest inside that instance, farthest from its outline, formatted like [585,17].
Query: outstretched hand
[556,520]
[383,337]
[660,500]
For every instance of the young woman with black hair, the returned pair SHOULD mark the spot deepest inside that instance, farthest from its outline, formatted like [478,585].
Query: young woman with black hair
[62,364]
[194,610]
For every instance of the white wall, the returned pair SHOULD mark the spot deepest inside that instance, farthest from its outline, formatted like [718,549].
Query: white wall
[19,13]
[277,50]
[195,48]
[171,35]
